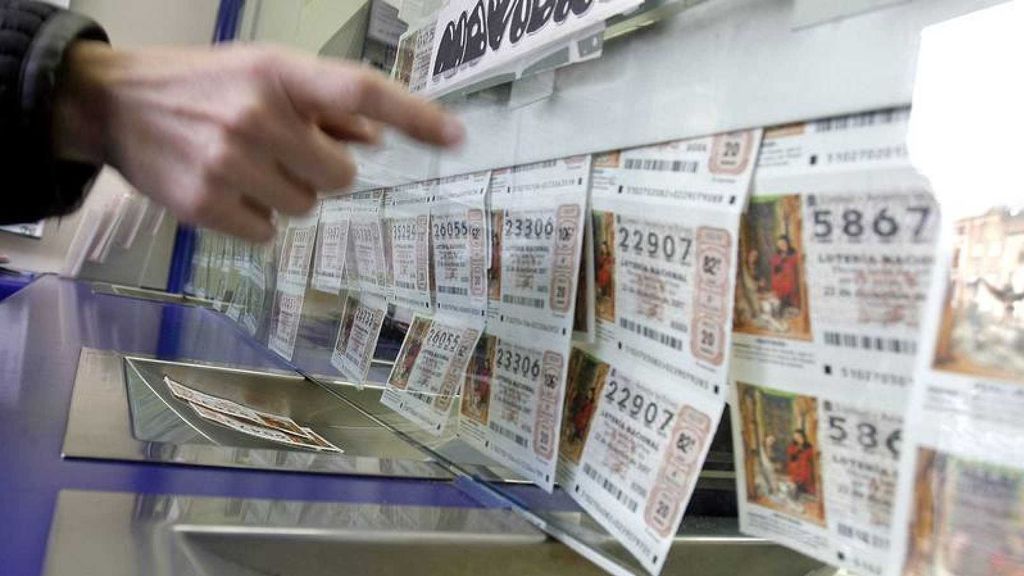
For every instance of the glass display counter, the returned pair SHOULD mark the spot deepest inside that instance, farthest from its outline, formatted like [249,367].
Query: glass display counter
[706,93]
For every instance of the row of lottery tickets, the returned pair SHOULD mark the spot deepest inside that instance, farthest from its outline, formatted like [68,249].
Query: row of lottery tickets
[598,312]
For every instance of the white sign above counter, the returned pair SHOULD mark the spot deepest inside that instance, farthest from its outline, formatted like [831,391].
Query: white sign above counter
[473,40]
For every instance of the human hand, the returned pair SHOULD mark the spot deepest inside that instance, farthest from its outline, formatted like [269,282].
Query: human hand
[224,136]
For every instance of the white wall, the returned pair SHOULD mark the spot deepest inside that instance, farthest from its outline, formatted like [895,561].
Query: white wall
[303,24]
[130,24]
[723,65]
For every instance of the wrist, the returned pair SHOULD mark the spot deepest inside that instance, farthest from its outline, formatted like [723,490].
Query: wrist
[82,102]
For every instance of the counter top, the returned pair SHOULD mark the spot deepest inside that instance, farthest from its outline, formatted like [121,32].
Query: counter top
[42,329]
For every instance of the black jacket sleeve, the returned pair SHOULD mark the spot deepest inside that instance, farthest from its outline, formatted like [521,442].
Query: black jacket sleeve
[34,38]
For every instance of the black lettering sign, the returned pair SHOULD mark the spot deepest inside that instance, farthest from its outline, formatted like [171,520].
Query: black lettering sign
[469,36]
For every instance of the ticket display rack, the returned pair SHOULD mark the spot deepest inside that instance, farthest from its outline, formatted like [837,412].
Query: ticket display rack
[631,308]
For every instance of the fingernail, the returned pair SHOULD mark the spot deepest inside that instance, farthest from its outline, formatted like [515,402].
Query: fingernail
[453,131]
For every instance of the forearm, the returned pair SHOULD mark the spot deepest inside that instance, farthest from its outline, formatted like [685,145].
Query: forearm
[35,40]
[83,101]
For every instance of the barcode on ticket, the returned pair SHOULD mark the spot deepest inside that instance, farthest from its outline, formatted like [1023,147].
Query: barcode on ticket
[523,301]
[863,536]
[860,120]
[505,432]
[456,290]
[536,166]
[873,343]
[661,165]
[651,333]
[618,493]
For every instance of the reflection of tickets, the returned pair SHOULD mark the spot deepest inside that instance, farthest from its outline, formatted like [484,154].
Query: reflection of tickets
[961,475]
[540,209]
[407,223]
[512,399]
[459,241]
[358,331]
[430,369]
[643,446]
[332,244]
[834,251]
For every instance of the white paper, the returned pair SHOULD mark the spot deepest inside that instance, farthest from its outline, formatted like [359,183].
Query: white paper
[367,266]
[459,234]
[430,369]
[541,210]
[472,40]
[836,249]
[512,399]
[332,244]
[361,320]
[643,402]
[292,275]
[407,227]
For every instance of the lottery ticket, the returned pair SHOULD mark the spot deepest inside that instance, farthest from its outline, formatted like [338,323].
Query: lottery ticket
[535,266]
[459,241]
[835,252]
[430,368]
[233,409]
[664,222]
[636,447]
[960,499]
[512,399]
[322,442]
[643,401]
[407,227]
[262,432]
[332,244]
[367,267]
[357,335]
[292,274]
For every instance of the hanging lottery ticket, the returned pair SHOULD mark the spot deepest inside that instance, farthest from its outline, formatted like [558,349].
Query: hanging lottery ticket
[332,244]
[512,399]
[292,274]
[407,229]
[635,445]
[643,402]
[367,266]
[835,250]
[459,240]
[430,368]
[361,320]
[540,208]
[513,392]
